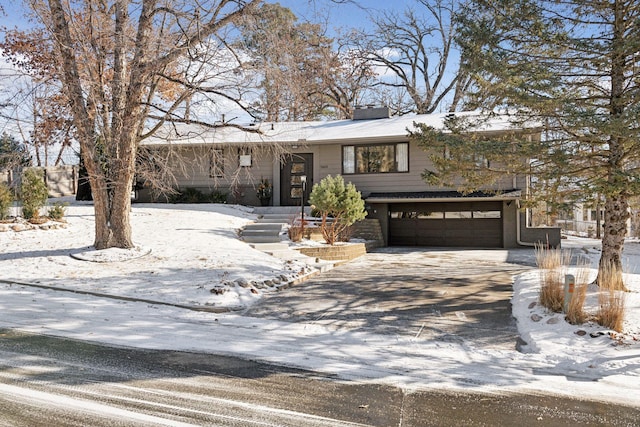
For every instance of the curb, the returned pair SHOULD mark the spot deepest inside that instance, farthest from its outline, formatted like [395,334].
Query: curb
[121,298]
[206,309]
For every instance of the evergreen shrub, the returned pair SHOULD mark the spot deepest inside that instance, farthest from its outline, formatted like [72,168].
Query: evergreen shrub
[6,199]
[33,193]
[339,205]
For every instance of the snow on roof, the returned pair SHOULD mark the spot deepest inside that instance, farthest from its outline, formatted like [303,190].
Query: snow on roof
[315,132]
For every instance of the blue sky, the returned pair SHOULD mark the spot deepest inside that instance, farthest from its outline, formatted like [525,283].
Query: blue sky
[350,14]
[14,14]
[340,15]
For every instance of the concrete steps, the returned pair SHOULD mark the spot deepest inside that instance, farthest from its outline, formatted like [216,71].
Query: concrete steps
[266,234]
[275,219]
[254,233]
[270,224]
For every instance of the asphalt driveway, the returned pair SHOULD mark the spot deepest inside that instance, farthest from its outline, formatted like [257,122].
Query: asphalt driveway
[424,293]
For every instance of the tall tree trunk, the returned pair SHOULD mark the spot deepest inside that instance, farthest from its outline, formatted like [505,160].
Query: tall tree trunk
[616,214]
[616,205]
[112,204]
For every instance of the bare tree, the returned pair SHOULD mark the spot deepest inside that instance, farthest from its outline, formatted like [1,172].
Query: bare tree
[34,102]
[301,74]
[348,81]
[127,67]
[418,61]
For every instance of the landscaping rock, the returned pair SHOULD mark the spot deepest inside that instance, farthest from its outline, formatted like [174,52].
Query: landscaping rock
[18,227]
[219,290]
[536,317]
[553,321]
[243,283]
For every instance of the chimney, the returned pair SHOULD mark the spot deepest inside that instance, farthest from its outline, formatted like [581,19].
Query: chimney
[371,113]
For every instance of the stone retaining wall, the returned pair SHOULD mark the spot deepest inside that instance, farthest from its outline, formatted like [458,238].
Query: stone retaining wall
[342,252]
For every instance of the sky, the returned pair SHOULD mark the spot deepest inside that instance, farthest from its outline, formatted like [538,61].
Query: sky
[350,14]
[354,14]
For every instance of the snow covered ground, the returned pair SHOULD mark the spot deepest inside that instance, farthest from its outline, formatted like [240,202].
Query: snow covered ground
[187,250]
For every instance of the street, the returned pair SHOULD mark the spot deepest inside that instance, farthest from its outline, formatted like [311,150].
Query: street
[51,381]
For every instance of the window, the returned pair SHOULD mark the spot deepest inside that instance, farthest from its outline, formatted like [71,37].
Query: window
[379,158]
[244,158]
[457,215]
[439,214]
[216,163]
[487,214]
[479,160]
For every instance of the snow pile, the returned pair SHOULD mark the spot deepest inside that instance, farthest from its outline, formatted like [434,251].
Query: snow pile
[588,350]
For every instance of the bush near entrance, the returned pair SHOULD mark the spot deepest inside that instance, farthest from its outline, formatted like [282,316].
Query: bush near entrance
[339,205]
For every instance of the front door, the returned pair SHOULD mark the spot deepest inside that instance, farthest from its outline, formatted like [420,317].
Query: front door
[294,167]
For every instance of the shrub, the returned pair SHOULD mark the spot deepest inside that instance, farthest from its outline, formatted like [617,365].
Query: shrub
[551,263]
[193,195]
[332,198]
[295,233]
[218,197]
[610,299]
[265,190]
[575,310]
[6,199]
[57,211]
[33,193]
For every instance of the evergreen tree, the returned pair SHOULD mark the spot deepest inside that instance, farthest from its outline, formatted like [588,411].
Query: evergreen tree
[339,204]
[33,193]
[12,153]
[571,68]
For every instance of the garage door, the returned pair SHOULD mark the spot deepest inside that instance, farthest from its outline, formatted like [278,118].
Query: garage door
[463,224]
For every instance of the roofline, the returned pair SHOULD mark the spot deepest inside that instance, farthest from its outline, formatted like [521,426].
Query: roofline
[511,196]
[393,129]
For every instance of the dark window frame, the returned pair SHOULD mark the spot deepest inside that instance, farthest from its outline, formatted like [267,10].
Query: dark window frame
[367,146]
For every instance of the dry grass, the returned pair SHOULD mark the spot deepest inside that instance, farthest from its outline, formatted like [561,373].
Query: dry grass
[575,310]
[552,264]
[610,299]
[552,292]
[295,233]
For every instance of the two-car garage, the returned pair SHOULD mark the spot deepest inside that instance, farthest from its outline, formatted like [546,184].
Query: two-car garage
[460,224]
[447,218]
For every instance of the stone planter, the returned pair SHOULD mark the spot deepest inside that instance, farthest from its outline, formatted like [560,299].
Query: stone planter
[339,252]
[265,201]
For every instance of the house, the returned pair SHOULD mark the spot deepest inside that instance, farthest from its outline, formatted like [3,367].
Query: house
[60,180]
[374,153]
[583,219]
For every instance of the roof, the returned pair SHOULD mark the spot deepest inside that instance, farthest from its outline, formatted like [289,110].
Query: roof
[317,132]
[442,196]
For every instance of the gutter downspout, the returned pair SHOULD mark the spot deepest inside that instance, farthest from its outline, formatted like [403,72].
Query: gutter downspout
[518,225]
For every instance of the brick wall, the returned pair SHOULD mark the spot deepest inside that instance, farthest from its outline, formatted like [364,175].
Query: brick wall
[339,252]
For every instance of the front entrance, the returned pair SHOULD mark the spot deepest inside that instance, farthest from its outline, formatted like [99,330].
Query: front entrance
[292,171]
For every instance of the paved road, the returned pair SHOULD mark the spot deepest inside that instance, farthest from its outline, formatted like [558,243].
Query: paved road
[450,295]
[57,382]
